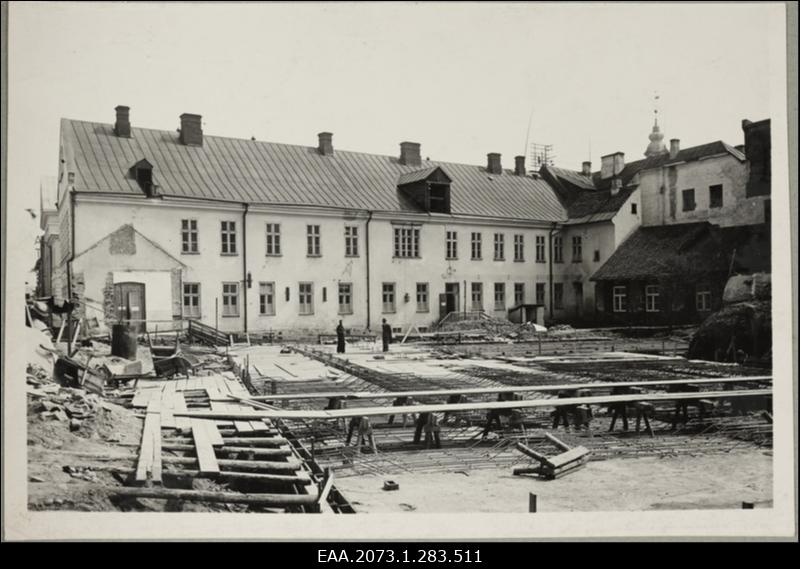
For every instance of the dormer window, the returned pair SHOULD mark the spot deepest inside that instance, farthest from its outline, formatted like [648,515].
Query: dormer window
[142,172]
[429,189]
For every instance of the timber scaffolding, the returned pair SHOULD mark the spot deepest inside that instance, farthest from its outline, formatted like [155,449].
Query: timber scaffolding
[262,464]
[462,446]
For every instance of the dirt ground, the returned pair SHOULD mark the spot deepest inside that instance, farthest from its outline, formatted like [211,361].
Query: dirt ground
[699,482]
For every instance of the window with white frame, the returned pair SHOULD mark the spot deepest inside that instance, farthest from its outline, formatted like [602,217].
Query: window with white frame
[703,298]
[499,247]
[540,293]
[620,298]
[558,296]
[228,237]
[388,297]
[519,247]
[230,299]
[519,293]
[345,298]
[540,254]
[306,298]
[406,241]
[577,248]
[313,248]
[499,296]
[558,249]
[266,299]
[191,300]
[477,296]
[273,238]
[476,246]
[422,297]
[351,241]
[652,298]
[451,245]
[189,236]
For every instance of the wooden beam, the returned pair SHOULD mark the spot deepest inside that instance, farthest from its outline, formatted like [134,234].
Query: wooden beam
[277,500]
[206,457]
[250,465]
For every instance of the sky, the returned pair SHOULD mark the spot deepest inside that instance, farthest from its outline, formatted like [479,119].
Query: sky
[462,79]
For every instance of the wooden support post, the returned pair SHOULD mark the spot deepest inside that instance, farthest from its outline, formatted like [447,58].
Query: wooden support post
[532,503]
[559,443]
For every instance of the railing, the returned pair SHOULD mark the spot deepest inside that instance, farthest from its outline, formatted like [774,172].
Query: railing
[207,334]
[461,316]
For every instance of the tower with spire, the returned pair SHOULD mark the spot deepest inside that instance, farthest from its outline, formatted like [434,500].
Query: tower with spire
[656,146]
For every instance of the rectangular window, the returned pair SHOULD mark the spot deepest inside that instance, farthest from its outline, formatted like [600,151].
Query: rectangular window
[540,293]
[688,200]
[230,299]
[703,299]
[620,296]
[477,296]
[519,293]
[228,235]
[388,297]
[519,247]
[306,297]
[577,249]
[345,298]
[189,236]
[597,255]
[406,242]
[273,238]
[540,255]
[652,298]
[266,299]
[715,196]
[351,241]
[422,297]
[558,249]
[558,296]
[312,241]
[499,247]
[451,245]
[191,300]
[476,246]
[634,209]
[499,296]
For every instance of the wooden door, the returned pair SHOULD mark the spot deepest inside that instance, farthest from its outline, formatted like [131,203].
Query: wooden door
[130,302]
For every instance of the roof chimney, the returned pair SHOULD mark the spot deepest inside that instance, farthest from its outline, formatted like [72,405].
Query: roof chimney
[493,165]
[674,147]
[616,186]
[123,125]
[586,169]
[611,165]
[325,143]
[191,129]
[409,154]
[519,165]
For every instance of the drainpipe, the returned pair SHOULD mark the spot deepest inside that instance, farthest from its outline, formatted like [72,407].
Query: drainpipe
[244,263]
[69,266]
[550,266]
[366,240]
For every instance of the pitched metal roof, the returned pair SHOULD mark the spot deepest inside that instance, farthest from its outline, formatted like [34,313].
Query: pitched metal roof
[239,170]
[411,177]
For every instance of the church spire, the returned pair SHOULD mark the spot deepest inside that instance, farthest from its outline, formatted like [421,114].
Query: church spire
[656,146]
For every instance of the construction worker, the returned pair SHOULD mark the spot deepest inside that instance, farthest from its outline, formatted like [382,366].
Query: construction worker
[387,335]
[340,338]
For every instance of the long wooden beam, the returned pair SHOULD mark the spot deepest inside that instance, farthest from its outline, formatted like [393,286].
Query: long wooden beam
[278,500]
[503,389]
[473,406]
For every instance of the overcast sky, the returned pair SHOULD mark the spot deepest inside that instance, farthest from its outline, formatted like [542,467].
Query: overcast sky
[460,78]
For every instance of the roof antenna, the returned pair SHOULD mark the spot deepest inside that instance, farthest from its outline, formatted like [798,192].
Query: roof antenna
[528,134]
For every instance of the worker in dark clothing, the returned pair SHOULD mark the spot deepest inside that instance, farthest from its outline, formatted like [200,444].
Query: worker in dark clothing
[387,335]
[340,338]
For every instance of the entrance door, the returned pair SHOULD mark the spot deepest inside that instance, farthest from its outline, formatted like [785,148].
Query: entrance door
[577,289]
[451,298]
[129,300]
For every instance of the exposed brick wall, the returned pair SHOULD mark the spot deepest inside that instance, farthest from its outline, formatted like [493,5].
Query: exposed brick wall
[109,306]
[78,293]
[177,293]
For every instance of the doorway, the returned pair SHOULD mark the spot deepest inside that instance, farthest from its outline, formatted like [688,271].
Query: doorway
[577,289]
[450,303]
[130,302]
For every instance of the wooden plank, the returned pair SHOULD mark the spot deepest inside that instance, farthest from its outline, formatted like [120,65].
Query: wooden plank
[473,406]
[145,463]
[290,465]
[179,405]
[206,458]
[168,404]
[524,449]
[243,426]
[300,478]
[565,458]
[277,500]
[213,434]
[156,466]
[558,442]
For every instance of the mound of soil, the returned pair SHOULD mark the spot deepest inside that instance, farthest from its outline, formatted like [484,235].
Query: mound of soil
[737,332]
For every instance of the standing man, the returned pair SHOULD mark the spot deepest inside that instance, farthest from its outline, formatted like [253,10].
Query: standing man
[340,338]
[387,335]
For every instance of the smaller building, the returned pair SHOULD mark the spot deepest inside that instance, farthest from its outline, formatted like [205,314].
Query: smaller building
[48,242]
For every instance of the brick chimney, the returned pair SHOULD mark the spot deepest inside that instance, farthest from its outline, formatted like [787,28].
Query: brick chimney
[122,127]
[493,165]
[586,169]
[191,129]
[519,165]
[611,165]
[409,154]
[674,147]
[325,143]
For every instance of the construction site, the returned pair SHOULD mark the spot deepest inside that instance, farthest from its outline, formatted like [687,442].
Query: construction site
[486,417]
